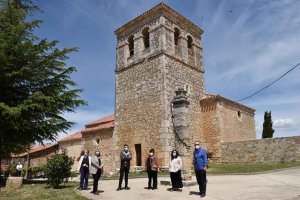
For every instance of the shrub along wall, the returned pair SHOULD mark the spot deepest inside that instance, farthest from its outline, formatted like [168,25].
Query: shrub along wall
[262,150]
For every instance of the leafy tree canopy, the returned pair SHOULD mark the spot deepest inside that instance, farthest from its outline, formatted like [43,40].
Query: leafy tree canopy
[35,84]
[268,126]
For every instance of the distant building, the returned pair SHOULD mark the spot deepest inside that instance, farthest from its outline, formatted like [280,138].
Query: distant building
[96,135]
[38,155]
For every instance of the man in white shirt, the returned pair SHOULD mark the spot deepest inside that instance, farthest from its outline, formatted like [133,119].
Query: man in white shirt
[19,169]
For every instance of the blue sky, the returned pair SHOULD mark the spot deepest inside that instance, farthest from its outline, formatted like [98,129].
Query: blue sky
[246,45]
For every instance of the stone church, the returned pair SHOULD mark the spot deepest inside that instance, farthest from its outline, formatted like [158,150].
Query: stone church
[159,53]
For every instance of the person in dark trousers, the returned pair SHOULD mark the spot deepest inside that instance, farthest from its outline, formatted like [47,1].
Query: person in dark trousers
[83,168]
[96,170]
[175,171]
[152,167]
[19,169]
[200,166]
[125,158]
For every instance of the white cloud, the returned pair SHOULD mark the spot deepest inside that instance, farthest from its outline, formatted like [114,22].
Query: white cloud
[285,123]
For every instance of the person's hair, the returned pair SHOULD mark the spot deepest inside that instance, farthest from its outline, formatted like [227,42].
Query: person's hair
[125,145]
[98,151]
[177,154]
[81,154]
[152,151]
[197,141]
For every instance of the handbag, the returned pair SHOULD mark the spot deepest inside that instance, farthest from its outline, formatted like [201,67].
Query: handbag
[153,166]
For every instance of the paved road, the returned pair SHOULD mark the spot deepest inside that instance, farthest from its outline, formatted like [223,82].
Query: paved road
[283,185]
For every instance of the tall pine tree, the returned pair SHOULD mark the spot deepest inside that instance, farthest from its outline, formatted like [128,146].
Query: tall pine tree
[268,126]
[35,84]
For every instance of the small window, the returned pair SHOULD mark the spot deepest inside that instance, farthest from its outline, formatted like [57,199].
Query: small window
[131,45]
[239,114]
[146,38]
[98,140]
[190,42]
[176,35]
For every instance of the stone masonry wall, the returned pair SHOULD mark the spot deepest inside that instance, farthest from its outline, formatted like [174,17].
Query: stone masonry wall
[234,128]
[40,158]
[262,150]
[105,145]
[220,123]
[137,111]
[179,75]
[209,135]
[74,148]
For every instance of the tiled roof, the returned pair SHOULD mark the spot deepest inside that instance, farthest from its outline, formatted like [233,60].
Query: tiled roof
[74,136]
[104,123]
[211,97]
[104,120]
[34,149]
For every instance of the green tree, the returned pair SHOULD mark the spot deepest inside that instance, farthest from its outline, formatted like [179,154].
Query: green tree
[268,126]
[58,169]
[35,84]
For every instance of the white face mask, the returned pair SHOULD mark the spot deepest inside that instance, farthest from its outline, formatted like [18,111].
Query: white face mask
[97,154]
[151,154]
[197,147]
[174,154]
[125,149]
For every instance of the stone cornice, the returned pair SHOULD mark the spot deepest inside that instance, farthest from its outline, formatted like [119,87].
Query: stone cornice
[164,9]
[155,55]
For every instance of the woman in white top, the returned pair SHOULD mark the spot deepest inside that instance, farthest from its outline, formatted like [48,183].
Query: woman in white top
[175,171]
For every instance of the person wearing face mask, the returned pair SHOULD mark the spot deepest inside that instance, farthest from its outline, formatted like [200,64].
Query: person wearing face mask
[152,167]
[125,158]
[175,171]
[83,168]
[200,166]
[96,170]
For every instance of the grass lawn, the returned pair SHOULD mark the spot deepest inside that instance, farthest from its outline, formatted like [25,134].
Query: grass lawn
[215,168]
[42,191]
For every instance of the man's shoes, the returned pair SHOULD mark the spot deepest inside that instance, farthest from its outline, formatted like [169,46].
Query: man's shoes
[95,193]
[155,188]
[202,195]
[119,188]
[127,188]
[177,189]
[149,188]
[80,188]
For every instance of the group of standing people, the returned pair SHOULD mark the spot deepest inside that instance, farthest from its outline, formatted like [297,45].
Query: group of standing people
[94,165]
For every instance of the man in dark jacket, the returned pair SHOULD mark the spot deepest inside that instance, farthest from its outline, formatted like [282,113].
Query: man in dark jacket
[125,158]
[200,166]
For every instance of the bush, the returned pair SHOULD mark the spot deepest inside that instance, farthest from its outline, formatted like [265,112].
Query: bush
[58,169]
[12,170]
